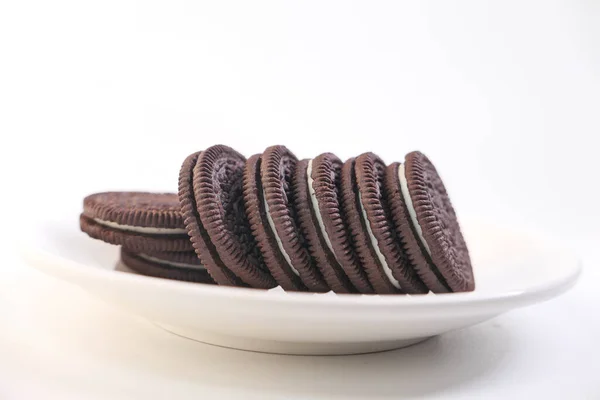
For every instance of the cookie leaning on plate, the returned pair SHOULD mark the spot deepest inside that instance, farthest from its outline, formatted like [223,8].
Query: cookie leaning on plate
[316,188]
[357,230]
[212,204]
[326,193]
[395,265]
[426,221]
[138,221]
[275,260]
[273,217]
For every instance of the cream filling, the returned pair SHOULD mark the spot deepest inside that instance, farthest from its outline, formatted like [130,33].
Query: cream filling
[315,204]
[410,206]
[386,268]
[171,263]
[141,229]
[277,239]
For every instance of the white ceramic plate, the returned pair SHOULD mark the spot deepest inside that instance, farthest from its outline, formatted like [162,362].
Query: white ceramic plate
[512,269]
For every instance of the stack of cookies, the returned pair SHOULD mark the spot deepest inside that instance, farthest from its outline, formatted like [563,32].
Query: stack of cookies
[316,225]
[150,230]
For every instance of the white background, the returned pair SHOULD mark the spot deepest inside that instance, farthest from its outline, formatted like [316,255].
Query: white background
[503,97]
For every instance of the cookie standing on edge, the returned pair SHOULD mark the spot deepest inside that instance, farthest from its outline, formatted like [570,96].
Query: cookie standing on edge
[273,217]
[426,220]
[316,244]
[139,221]
[370,173]
[316,188]
[358,231]
[210,193]
[274,258]
[181,266]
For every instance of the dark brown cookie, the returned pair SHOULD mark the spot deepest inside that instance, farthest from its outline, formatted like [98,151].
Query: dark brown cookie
[137,209]
[370,173]
[332,272]
[198,236]
[358,231]
[419,257]
[211,185]
[326,170]
[277,169]
[436,223]
[181,266]
[257,215]
[139,221]
[315,194]
[188,259]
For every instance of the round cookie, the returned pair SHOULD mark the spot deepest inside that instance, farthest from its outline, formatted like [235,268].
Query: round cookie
[332,272]
[273,256]
[370,173]
[435,223]
[316,188]
[277,167]
[358,231]
[326,176]
[210,193]
[198,236]
[181,266]
[406,231]
[139,221]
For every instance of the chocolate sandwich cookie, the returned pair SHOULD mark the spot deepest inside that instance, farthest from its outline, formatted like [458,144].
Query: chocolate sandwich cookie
[273,256]
[370,173]
[181,266]
[426,221]
[317,199]
[362,228]
[139,221]
[210,194]
[273,217]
